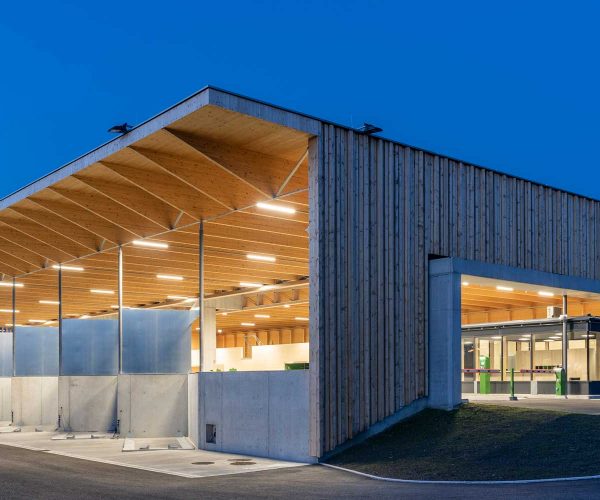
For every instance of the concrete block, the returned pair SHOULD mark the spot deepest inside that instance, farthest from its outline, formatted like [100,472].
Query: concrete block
[88,403]
[34,400]
[153,405]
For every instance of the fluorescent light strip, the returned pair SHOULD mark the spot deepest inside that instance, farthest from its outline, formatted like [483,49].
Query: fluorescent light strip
[180,297]
[300,318]
[287,306]
[262,258]
[9,311]
[150,244]
[543,293]
[37,320]
[50,302]
[10,284]
[276,208]
[248,324]
[67,268]
[262,316]
[103,292]
[465,283]
[171,277]
[245,284]
[504,288]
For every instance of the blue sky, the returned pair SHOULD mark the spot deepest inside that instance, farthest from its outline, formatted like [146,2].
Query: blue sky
[509,85]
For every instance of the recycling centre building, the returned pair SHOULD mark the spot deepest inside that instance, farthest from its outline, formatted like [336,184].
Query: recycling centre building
[264,282]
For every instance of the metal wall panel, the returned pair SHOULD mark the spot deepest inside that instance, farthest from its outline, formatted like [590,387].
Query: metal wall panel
[36,351]
[6,354]
[90,347]
[157,341]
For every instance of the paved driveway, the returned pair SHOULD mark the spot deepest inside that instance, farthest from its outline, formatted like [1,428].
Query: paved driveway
[587,406]
[34,474]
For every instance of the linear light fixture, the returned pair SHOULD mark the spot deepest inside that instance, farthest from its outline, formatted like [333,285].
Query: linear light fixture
[465,283]
[67,268]
[102,292]
[9,311]
[246,284]
[50,302]
[543,293]
[180,297]
[171,277]
[301,318]
[11,284]
[262,258]
[287,306]
[276,208]
[37,320]
[150,244]
[248,324]
[223,314]
[219,331]
[84,316]
[262,316]
[10,324]
[505,288]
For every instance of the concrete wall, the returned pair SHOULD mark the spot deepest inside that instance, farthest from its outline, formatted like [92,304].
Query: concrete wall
[153,405]
[193,403]
[258,413]
[5,403]
[34,401]
[88,403]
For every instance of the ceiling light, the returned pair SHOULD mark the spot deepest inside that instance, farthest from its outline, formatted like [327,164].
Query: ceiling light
[245,284]
[67,268]
[103,292]
[10,283]
[496,338]
[219,331]
[545,294]
[287,306]
[10,324]
[300,318]
[276,208]
[37,320]
[84,316]
[262,316]
[248,324]
[524,339]
[172,277]
[263,258]
[465,283]
[9,311]
[149,244]
[50,302]
[180,297]
[504,288]
[223,314]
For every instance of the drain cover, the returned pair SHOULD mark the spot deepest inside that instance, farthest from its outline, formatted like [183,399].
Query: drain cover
[202,463]
[239,459]
[245,462]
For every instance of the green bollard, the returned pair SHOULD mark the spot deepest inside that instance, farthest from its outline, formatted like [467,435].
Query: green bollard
[561,383]
[485,386]
[512,396]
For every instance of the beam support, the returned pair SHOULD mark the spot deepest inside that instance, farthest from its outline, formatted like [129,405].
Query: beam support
[60,322]
[14,322]
[120,304]
[565,341]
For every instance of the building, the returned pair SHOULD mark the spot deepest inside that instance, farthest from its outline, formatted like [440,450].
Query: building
[268,282]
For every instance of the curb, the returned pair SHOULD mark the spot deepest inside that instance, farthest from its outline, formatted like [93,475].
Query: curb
[419,481]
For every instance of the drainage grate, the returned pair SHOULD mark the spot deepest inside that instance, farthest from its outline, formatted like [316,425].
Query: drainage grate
[202,463]
[245,462]
[239,459]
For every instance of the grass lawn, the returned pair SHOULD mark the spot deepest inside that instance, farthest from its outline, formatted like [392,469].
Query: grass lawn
[481,442]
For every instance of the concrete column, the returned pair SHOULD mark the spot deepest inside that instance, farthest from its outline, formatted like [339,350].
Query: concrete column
[208,338]
[444,345]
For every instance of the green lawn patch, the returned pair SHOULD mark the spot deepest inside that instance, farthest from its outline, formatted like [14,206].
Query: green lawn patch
[481,442]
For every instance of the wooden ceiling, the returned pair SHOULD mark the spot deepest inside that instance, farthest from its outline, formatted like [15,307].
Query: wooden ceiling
[213,165]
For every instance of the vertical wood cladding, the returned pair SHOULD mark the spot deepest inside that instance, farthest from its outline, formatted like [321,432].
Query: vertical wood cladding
[378,210]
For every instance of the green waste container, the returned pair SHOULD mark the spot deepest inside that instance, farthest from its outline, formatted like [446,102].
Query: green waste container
[485,386]
[561,381]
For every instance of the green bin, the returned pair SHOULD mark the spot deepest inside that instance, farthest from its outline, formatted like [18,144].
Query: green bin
[485,386]
[561,382]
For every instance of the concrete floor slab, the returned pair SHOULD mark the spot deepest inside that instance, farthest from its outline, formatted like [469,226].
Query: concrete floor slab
[183,463]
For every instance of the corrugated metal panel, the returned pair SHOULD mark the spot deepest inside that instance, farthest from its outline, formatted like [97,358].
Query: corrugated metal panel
[90,347]
[378,211]
[157,341]
[36,351]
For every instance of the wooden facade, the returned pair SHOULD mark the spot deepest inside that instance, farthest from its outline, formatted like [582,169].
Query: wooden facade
[379,211]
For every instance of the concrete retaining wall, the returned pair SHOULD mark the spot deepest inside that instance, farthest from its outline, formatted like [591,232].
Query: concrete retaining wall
[258,413]
[153,405]
[34,400]
[5,404]
[88,403]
